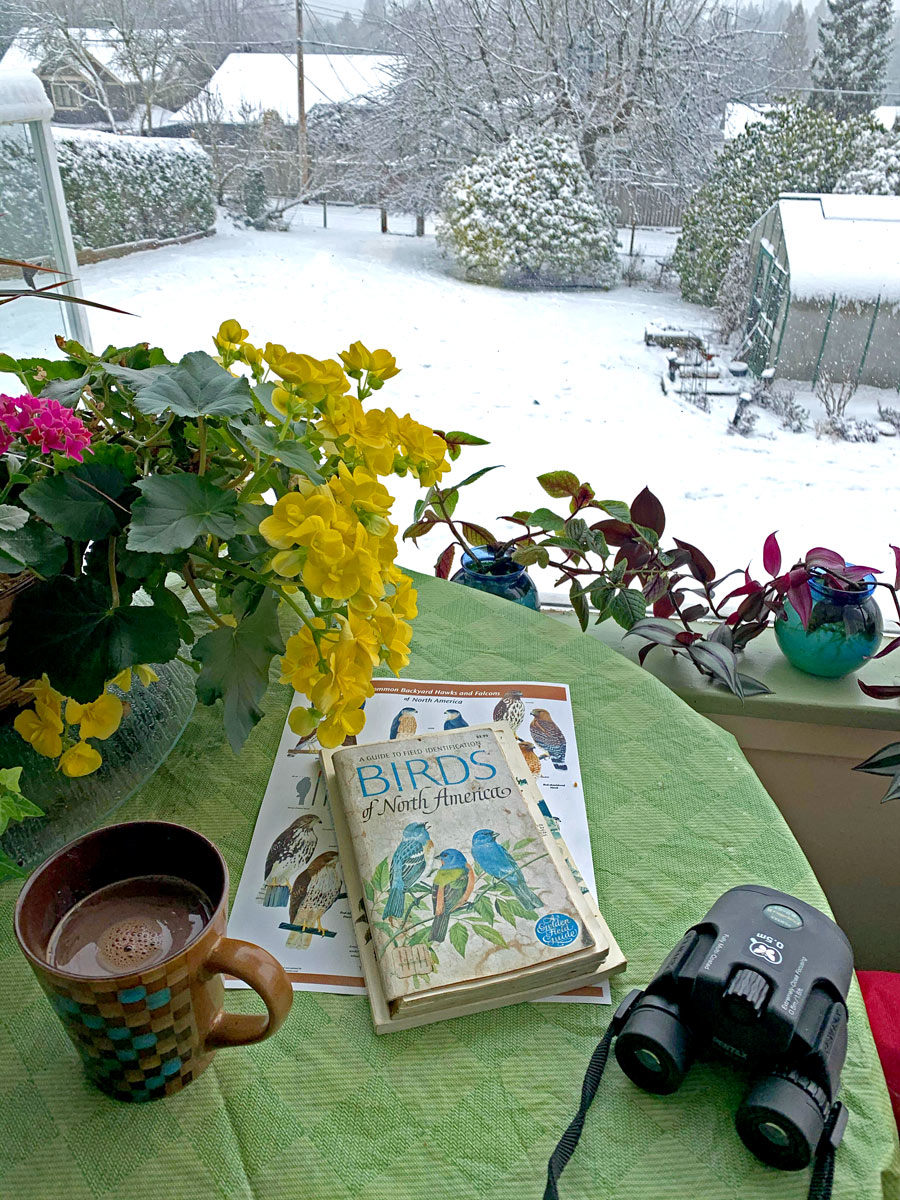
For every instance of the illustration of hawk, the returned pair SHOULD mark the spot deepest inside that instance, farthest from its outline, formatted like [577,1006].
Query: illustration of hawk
[289,853]
[496,860]
[306,745]
[404,724]
[511,709]
[452,887]
[313,893]
[453,719]
[548,735]
[532,759]
[410,861]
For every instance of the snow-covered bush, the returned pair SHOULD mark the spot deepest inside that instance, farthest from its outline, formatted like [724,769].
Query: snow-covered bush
[794,149]
[731,298]
[891,416]
[126,189]
[794,417]
[527,214]
[878,172]
[118,190]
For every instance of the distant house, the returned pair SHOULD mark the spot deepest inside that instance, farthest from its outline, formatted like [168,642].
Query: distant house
[738,115]
[247,85]
[825,289]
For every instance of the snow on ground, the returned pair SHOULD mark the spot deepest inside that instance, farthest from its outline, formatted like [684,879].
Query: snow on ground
[555,379]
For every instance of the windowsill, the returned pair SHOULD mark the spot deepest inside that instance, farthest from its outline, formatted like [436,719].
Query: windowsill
[796,695]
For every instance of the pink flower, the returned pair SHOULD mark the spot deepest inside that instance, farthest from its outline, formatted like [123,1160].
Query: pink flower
[42,422]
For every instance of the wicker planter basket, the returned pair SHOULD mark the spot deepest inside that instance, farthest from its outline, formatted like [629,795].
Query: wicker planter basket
[12,693]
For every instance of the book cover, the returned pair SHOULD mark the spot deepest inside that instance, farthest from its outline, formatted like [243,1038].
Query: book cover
[461,877]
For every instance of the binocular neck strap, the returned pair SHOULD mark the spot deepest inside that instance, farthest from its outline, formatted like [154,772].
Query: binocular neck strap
[823,1165]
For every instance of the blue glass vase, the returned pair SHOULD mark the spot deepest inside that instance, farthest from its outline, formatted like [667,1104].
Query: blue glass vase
[486,571]
[844,630]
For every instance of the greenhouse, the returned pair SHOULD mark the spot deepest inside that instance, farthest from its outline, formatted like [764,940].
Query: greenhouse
[825,289]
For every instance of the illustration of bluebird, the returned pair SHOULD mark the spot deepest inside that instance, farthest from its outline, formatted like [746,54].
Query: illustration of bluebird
[404,724]
[548,735]
[496,860]
[410,861]
[452,887]
[511,709]
[453,719]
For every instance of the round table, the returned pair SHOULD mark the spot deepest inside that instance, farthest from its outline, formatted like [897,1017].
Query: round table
[470,1107]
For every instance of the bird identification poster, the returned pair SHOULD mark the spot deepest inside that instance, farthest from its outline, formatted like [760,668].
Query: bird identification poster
[291,899]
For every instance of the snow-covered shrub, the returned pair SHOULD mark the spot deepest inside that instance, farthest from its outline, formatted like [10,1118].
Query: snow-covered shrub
[847,429]
[878,172]
[835,394]
[633,271]
[889,415]
[128,189]
[731,298]
[23,228]
[527,214]
[794,417]
[794,149]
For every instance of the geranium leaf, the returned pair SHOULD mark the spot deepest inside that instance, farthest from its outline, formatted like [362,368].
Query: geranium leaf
[196,387]
[79,503]
[291,452]
[69,629]
[174,510]
[235,667]
[34,547]
[12,517]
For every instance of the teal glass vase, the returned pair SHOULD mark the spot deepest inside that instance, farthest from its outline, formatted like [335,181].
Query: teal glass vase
[844,630]
[486,571]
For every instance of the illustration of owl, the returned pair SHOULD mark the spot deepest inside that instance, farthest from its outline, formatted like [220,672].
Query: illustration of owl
[532,758]
[548,735]
[289,853]
[313,893]
[404,725]
[511,709]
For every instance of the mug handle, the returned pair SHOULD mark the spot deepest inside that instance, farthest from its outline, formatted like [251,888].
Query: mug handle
[266,976]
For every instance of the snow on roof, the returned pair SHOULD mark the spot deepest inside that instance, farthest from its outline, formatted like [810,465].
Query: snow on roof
[22,98]
[738,116]
[847,246]
[25,52]
[255,83]
[886,115]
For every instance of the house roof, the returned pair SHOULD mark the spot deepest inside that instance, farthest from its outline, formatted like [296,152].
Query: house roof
[848,246]
[22,98]
[739,115]
[249,84]
[103,45]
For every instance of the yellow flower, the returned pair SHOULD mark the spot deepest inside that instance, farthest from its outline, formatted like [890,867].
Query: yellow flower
[99,719]
[80,759]
[46,696]
[380,363]
[288,563]
[300,663]
[298,517]
[303,721]
[376,438]
[337,570]
[146,674]
[360,490]
[252,355]
[424,450]
[287,403]
[383,365]
[41,727]
[357,358]
[122,680]
[339,725]
[230,335]
[403,601]
[395,637]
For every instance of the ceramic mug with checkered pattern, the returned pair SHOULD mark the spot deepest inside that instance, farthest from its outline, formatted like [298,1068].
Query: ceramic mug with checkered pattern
[148,1033]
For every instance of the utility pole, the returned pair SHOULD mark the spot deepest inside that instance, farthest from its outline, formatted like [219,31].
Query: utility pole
[302,144]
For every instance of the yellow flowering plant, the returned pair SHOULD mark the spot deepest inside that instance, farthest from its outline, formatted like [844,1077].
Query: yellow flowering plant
[249,483]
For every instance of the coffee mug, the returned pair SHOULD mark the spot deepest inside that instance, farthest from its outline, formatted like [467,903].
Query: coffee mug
[147,1033]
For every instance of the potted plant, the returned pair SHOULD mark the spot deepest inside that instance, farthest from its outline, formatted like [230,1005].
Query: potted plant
[129,483]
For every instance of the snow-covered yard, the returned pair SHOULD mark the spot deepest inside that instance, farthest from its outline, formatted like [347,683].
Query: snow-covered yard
[553,379]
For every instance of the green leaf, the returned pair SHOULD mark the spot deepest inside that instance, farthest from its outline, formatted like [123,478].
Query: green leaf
[489,934]
[12,517]
[885,761]
[235,667]
[381,876]
[174,510]
[546,519]
[291,452]
[172,605]
[477,475]
[196,387]
[524,842]
[458,438]
[369,890]
[510,910]
[69,629]
[527,556]
[483,907]
[719,661]
[423,935]
[559,483]
[579,603]
[615,508]
[39,371]
[628,606]
[459,936]
[13,805]
[893,791]
[449,501]
[111,454]
[9,869]
[34,547]
[753,687]
[477,535]
[78,503]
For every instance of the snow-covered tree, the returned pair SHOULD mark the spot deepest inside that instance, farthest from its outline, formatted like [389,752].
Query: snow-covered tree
[854,48]
[795,149]
[527,214]
[878,171]
[789,65]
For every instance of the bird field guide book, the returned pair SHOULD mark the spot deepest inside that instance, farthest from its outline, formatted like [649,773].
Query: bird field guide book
[501,919]
[291,897]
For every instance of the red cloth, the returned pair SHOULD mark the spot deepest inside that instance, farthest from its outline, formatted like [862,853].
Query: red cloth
[881,992]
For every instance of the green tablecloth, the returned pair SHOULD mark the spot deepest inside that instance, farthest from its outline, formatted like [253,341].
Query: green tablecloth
[471,1107]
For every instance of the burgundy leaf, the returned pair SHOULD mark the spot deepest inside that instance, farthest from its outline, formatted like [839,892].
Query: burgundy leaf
[799,595]
[896,550]
[888,648]
[879,691]
[829,560]
[856,573]
[748,632]
[663,607]
[695,612]
[584,496]
[772,555]
[684,638]
[615,532]
[655,588]
[645,650]
[700,566]
[445,562]
[646,510]
[749,589]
